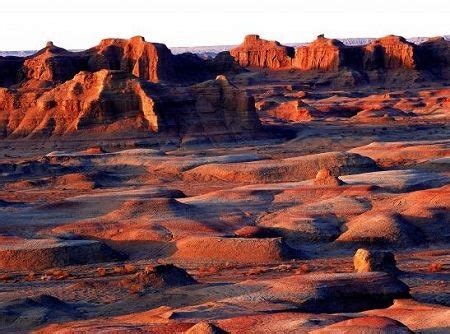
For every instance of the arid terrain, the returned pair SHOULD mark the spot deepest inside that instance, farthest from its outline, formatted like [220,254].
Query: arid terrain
[270,189]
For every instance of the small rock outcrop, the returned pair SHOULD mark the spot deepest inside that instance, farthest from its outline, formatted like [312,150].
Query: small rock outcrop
[204,327]
[325,177]
[366,261]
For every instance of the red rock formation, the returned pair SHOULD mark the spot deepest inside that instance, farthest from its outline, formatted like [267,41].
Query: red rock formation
[257,52]
[390,52]
[53,64]
[322,54]
[112,102]
[149,61]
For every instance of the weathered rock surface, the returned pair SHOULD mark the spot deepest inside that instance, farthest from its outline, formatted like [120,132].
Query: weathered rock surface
[284,170]
[233,250]
[366,261]
[366,325]
[325,177]
[257,52]
[112,102]
[25,313]
[38,254]
[390,52]
[204,328]
[381,229]
[330,55]
[322,54]
[149,61]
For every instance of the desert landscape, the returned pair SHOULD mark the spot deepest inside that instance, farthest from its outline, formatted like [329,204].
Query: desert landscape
[263,189]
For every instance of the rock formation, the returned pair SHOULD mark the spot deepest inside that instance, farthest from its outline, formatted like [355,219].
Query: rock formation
[38,254]
[366,261]
[325,177]
[257,52]
[322,54]
[149,61]
[390,52]
[53,63]
[204,328]
[330,55]
[116,102]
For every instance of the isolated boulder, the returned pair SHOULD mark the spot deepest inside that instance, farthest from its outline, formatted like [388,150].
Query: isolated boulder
[365,261]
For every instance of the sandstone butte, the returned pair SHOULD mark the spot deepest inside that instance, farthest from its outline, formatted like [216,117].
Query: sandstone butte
[390,52]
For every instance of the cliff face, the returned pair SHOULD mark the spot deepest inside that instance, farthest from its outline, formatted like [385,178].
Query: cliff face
[149,61]
[257,52]
[390,52]
[322,54]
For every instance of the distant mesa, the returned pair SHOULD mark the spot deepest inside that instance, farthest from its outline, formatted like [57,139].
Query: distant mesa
[390,52]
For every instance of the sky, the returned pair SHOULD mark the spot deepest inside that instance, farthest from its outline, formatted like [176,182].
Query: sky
[79,24]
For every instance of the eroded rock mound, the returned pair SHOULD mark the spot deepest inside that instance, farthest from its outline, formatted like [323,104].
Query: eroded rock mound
[159,276]
[233,250]
[382,229]
[366,325]
[204,328]
[283,170]
[325,177]
[27,313]
[38,254]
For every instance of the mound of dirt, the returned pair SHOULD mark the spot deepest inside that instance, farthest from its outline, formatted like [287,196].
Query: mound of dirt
[204,328]
[233,250]
[26,313]
[283,170]
[404,153]
[381,229]
[366,325]
[38,254]
[155,219]
[311,293]
[160,276]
